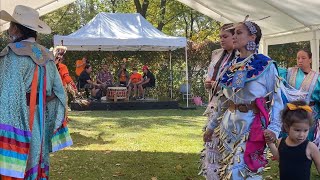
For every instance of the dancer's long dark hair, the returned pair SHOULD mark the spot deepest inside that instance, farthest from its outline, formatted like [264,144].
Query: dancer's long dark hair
[26,32]
[230,28]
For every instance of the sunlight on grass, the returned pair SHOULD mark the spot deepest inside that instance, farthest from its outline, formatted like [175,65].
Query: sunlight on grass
[138,130]
[135,145]
[132,145]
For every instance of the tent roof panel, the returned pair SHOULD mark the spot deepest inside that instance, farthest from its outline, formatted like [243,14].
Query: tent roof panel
[285,16]
[109,30]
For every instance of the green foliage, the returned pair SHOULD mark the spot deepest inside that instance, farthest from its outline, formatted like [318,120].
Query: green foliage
[285,54]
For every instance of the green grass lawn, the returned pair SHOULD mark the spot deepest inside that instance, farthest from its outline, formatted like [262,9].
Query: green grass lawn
[158,144]
[135,145]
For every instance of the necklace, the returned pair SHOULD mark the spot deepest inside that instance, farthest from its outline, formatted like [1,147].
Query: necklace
[244,63]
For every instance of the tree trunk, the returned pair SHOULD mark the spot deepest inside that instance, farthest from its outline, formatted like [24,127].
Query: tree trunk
[138,6]
[113,2]
[191,24]
[162,14]
[186,29]
[91,7]
[142,9]
[145,8]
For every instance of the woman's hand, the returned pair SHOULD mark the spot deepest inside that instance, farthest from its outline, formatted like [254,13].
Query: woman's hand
[269,136]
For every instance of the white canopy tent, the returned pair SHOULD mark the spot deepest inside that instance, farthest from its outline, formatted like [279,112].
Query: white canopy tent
[121,32]
[42,6]
[288,20]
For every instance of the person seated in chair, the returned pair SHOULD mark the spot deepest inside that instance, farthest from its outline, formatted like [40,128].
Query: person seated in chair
[81,64]
[123,76]
[86,82]
[105,78]
[134,79]
[148,80]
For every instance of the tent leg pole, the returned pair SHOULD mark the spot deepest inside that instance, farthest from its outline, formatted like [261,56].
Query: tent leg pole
[171,78]
[314,44]
[187,76]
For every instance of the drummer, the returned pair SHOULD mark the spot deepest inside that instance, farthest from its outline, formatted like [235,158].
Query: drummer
[105,78]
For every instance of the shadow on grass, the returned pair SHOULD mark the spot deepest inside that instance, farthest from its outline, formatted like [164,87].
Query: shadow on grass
[80,140]
[104,165]
[273,173]
[138,120]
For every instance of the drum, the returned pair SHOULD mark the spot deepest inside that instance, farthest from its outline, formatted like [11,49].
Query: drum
[116,93]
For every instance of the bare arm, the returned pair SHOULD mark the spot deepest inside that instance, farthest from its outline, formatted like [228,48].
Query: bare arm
[145,82]
[93,83]
[315,155]
[274,150]
[271,143]
[129,82]
[100,82]
[140,82]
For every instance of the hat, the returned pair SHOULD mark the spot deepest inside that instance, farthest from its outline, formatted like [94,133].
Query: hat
[145,67]
[27,17]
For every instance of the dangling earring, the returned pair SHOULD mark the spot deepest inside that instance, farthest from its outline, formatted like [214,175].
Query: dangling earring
[251,46]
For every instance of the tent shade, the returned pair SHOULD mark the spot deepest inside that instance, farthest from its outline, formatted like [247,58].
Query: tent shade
[281,22]
[119,32]
[42,6]
[283,16]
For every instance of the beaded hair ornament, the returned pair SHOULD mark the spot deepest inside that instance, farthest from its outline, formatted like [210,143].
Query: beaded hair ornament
[251,27]
[251,46]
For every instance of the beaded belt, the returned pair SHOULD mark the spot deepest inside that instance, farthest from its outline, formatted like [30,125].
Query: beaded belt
[244,108]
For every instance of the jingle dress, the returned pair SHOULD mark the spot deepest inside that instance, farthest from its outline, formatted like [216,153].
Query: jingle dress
[30,126]
[219,60]
[259,81]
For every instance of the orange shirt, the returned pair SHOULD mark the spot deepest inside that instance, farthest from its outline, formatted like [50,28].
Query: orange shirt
[64,74]
[135,77]
[80,68]
[66,79]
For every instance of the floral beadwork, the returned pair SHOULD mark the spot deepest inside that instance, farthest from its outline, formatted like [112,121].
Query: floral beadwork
[255,66]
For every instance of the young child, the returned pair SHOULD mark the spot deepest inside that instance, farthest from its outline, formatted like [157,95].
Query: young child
[134,79]
[295,153]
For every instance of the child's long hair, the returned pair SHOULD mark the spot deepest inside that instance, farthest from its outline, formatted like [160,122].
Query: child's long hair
[295,112]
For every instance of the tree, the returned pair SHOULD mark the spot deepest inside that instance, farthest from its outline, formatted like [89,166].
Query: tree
[162,14]
[142,9]
[167,16]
